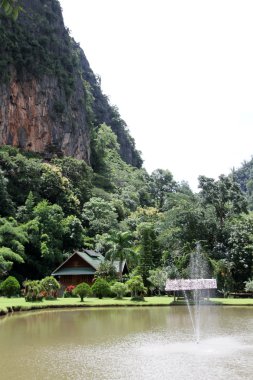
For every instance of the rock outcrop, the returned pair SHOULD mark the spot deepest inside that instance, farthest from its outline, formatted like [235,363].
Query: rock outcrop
[50,100]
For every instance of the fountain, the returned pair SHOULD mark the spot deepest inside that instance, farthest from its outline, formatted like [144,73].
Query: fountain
[195,284]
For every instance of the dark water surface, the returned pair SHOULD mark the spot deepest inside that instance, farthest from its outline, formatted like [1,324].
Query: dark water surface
[127,343]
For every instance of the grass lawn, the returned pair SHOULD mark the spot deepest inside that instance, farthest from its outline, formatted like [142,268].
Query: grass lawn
[19,304]
[233,301]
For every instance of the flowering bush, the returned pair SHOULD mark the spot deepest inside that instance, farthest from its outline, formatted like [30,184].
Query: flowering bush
[68,292]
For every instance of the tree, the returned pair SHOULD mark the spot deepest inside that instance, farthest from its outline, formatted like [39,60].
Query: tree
[107,271]
[99,215]
[73,233]
[157,277]
[149,252]
[183,223]
[223,272]
[162,183]
[100,288]
[240,249]
[79,174]
[12,240]
[6,204]
[224,195]
[57,189]
[136,287]
[249,286]
[121,248]
[11,7]
[7,258]
[50,219]
[10,287]
[119,289]
[82,290]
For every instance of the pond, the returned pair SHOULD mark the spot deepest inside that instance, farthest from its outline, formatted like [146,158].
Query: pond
[127,343]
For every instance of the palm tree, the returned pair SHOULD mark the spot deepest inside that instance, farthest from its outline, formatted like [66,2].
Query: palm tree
[121,243]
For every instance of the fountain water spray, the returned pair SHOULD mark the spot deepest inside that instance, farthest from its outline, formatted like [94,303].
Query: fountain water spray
[198,280]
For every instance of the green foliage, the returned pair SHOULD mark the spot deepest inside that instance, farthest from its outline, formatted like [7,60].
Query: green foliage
[6,204]
[162,183]
[136,287]
[42,220]
[50,218]
[10,287]
[7,258]
[100,288]
[33,290]
[82,290]
[249,286]
[157,277]
[99,215]
[12,240]
[149,250]
[41,53]
[119,289]
[50,285]
[57,189]
[73,233]
[107,271]
[240,248]
[224,195]
[22,174]
[11,8]
[121,248]
[223,272]
[79,175]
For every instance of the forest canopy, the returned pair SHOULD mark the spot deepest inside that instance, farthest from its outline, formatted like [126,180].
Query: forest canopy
[49,209]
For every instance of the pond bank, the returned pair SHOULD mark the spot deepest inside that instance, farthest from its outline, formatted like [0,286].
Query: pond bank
[10,305]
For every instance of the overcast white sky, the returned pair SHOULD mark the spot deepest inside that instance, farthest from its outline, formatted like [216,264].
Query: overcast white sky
[181,74]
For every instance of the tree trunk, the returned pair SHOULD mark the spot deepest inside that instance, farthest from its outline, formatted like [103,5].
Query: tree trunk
[120,270]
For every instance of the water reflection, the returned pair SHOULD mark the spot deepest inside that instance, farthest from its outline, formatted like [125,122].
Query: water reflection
[127,343]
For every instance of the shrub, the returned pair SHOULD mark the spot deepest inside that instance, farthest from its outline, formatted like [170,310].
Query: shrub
[100,288]
[68,292]
[119,289]
[33,291]
[10,287]
[82,290]
[137,288]
[50,285]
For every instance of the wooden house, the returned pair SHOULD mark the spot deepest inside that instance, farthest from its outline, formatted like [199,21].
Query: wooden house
[81,267]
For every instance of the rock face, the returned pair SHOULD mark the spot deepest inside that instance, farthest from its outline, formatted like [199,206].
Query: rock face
[50,100]
[29,119]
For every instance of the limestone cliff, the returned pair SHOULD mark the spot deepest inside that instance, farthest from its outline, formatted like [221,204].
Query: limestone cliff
[50,100]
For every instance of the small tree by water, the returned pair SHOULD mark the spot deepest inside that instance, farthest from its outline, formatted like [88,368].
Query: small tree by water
[100,288]
[158,278]
[82,290]
[10,287]
[137,288]
[119,289]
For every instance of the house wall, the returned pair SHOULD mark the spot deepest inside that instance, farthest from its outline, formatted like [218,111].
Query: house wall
[75,280]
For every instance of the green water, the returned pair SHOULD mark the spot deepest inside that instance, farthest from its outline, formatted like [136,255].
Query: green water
[127,343]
